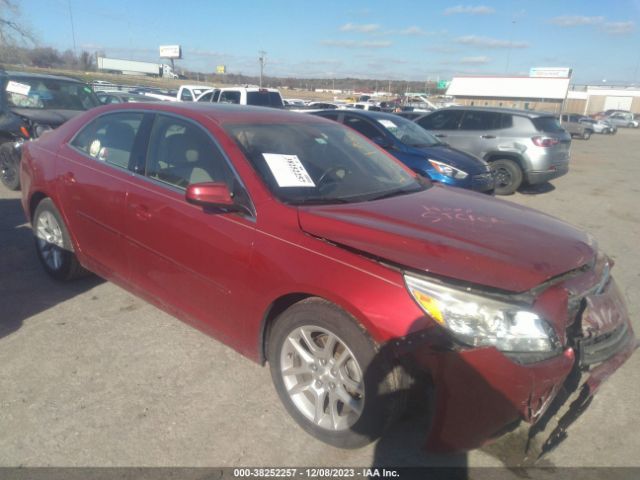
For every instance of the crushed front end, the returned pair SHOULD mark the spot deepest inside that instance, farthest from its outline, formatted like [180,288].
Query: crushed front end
[483,392]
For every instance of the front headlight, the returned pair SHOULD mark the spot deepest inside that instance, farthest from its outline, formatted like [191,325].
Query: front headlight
[484,322]
[448,170]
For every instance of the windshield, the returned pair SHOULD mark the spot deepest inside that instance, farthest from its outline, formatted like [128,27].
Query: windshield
[49,94]
[321,163]
[408,132]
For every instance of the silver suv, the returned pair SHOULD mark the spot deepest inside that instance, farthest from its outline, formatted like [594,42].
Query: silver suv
[520,145]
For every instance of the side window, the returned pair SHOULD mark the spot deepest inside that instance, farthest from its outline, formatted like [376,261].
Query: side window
[444,120]
[362,126]
[181,153]
[110,138]
[206,97]
[331,116]
[229,97]
[216,95]
[507,121]
[473,120]
[186,96]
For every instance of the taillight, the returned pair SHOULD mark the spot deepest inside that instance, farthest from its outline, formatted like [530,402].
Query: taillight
[545,141]
[24,132]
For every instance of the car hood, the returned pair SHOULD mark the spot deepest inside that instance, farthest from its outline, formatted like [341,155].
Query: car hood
[53,118]
[455,158]
[457,234]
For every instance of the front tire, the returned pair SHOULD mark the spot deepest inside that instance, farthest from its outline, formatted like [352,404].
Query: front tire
[9,166]
[586,135]
[53,243]
[508,176]
[330,376]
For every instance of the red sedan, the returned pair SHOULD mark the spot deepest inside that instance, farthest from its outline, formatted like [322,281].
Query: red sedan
[297,241]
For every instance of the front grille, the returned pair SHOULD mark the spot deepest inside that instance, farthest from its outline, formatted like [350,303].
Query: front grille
[601,347]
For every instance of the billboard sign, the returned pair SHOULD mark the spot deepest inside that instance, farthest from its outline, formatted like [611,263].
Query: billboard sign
[550,72]
[442,84]
[170,51]
[221,69]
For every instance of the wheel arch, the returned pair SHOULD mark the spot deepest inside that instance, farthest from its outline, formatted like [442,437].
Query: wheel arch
[34,201]
[272,312]
[493,156]
[282,303]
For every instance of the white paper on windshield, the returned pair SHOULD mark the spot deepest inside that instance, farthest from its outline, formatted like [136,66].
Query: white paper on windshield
[387,123]
[17,87]
[288,170]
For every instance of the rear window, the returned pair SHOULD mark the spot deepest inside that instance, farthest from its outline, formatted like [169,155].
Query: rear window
[547,124]
[264,99]
[480,120]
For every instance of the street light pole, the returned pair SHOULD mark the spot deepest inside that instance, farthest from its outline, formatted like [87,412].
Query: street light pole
[513,22]
[263,60]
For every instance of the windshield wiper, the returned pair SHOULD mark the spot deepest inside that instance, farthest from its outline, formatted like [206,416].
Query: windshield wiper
[317,201]
[395,193]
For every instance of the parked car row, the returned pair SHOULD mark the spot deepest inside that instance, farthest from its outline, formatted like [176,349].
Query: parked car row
[31,104]
[619,118]
[299,242]
[520,146]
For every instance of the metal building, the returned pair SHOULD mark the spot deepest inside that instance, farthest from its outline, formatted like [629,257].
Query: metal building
[529,93]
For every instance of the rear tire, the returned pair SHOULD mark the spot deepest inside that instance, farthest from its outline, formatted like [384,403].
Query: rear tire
[508,176]
[330,376]
[586,135]
[9,166]
[53,243]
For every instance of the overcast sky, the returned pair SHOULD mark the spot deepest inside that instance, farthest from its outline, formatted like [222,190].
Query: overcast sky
[414,40]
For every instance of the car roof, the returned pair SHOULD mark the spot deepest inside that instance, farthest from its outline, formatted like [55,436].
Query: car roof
[375,115]
[220,112]
[13,74]
[512,111]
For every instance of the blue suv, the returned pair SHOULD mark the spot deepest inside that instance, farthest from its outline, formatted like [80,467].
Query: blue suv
[417,148]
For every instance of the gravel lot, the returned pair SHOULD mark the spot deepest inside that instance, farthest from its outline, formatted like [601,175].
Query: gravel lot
[92,376]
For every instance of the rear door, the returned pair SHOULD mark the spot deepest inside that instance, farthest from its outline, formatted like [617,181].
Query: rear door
[94,172]
[191,260]
[480,131]
[444,125]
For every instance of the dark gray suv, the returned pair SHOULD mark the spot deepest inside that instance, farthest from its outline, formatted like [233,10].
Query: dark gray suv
[520,145]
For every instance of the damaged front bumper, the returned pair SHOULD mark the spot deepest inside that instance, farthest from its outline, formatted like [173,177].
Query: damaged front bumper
[481,394]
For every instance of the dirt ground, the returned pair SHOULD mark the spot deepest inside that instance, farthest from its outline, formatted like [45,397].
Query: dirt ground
[92,376]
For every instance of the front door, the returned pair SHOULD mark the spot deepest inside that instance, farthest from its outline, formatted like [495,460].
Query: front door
[191,260]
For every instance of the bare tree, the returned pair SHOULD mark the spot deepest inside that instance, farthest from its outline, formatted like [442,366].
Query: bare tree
[11,31]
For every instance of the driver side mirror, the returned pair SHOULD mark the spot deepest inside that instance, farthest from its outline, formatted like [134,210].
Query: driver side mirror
[212,195]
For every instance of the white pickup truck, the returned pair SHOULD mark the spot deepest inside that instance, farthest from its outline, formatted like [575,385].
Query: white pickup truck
[260,97]
[186,93]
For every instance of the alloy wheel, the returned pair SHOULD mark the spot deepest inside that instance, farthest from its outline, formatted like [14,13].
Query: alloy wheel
[503,177]
[50,240]
[322,378]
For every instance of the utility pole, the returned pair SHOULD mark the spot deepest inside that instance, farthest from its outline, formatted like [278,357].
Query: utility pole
[263,61]
[73,31]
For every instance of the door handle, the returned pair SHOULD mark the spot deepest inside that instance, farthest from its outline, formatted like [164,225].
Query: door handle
[141,211]
[487,136]
[440,135]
